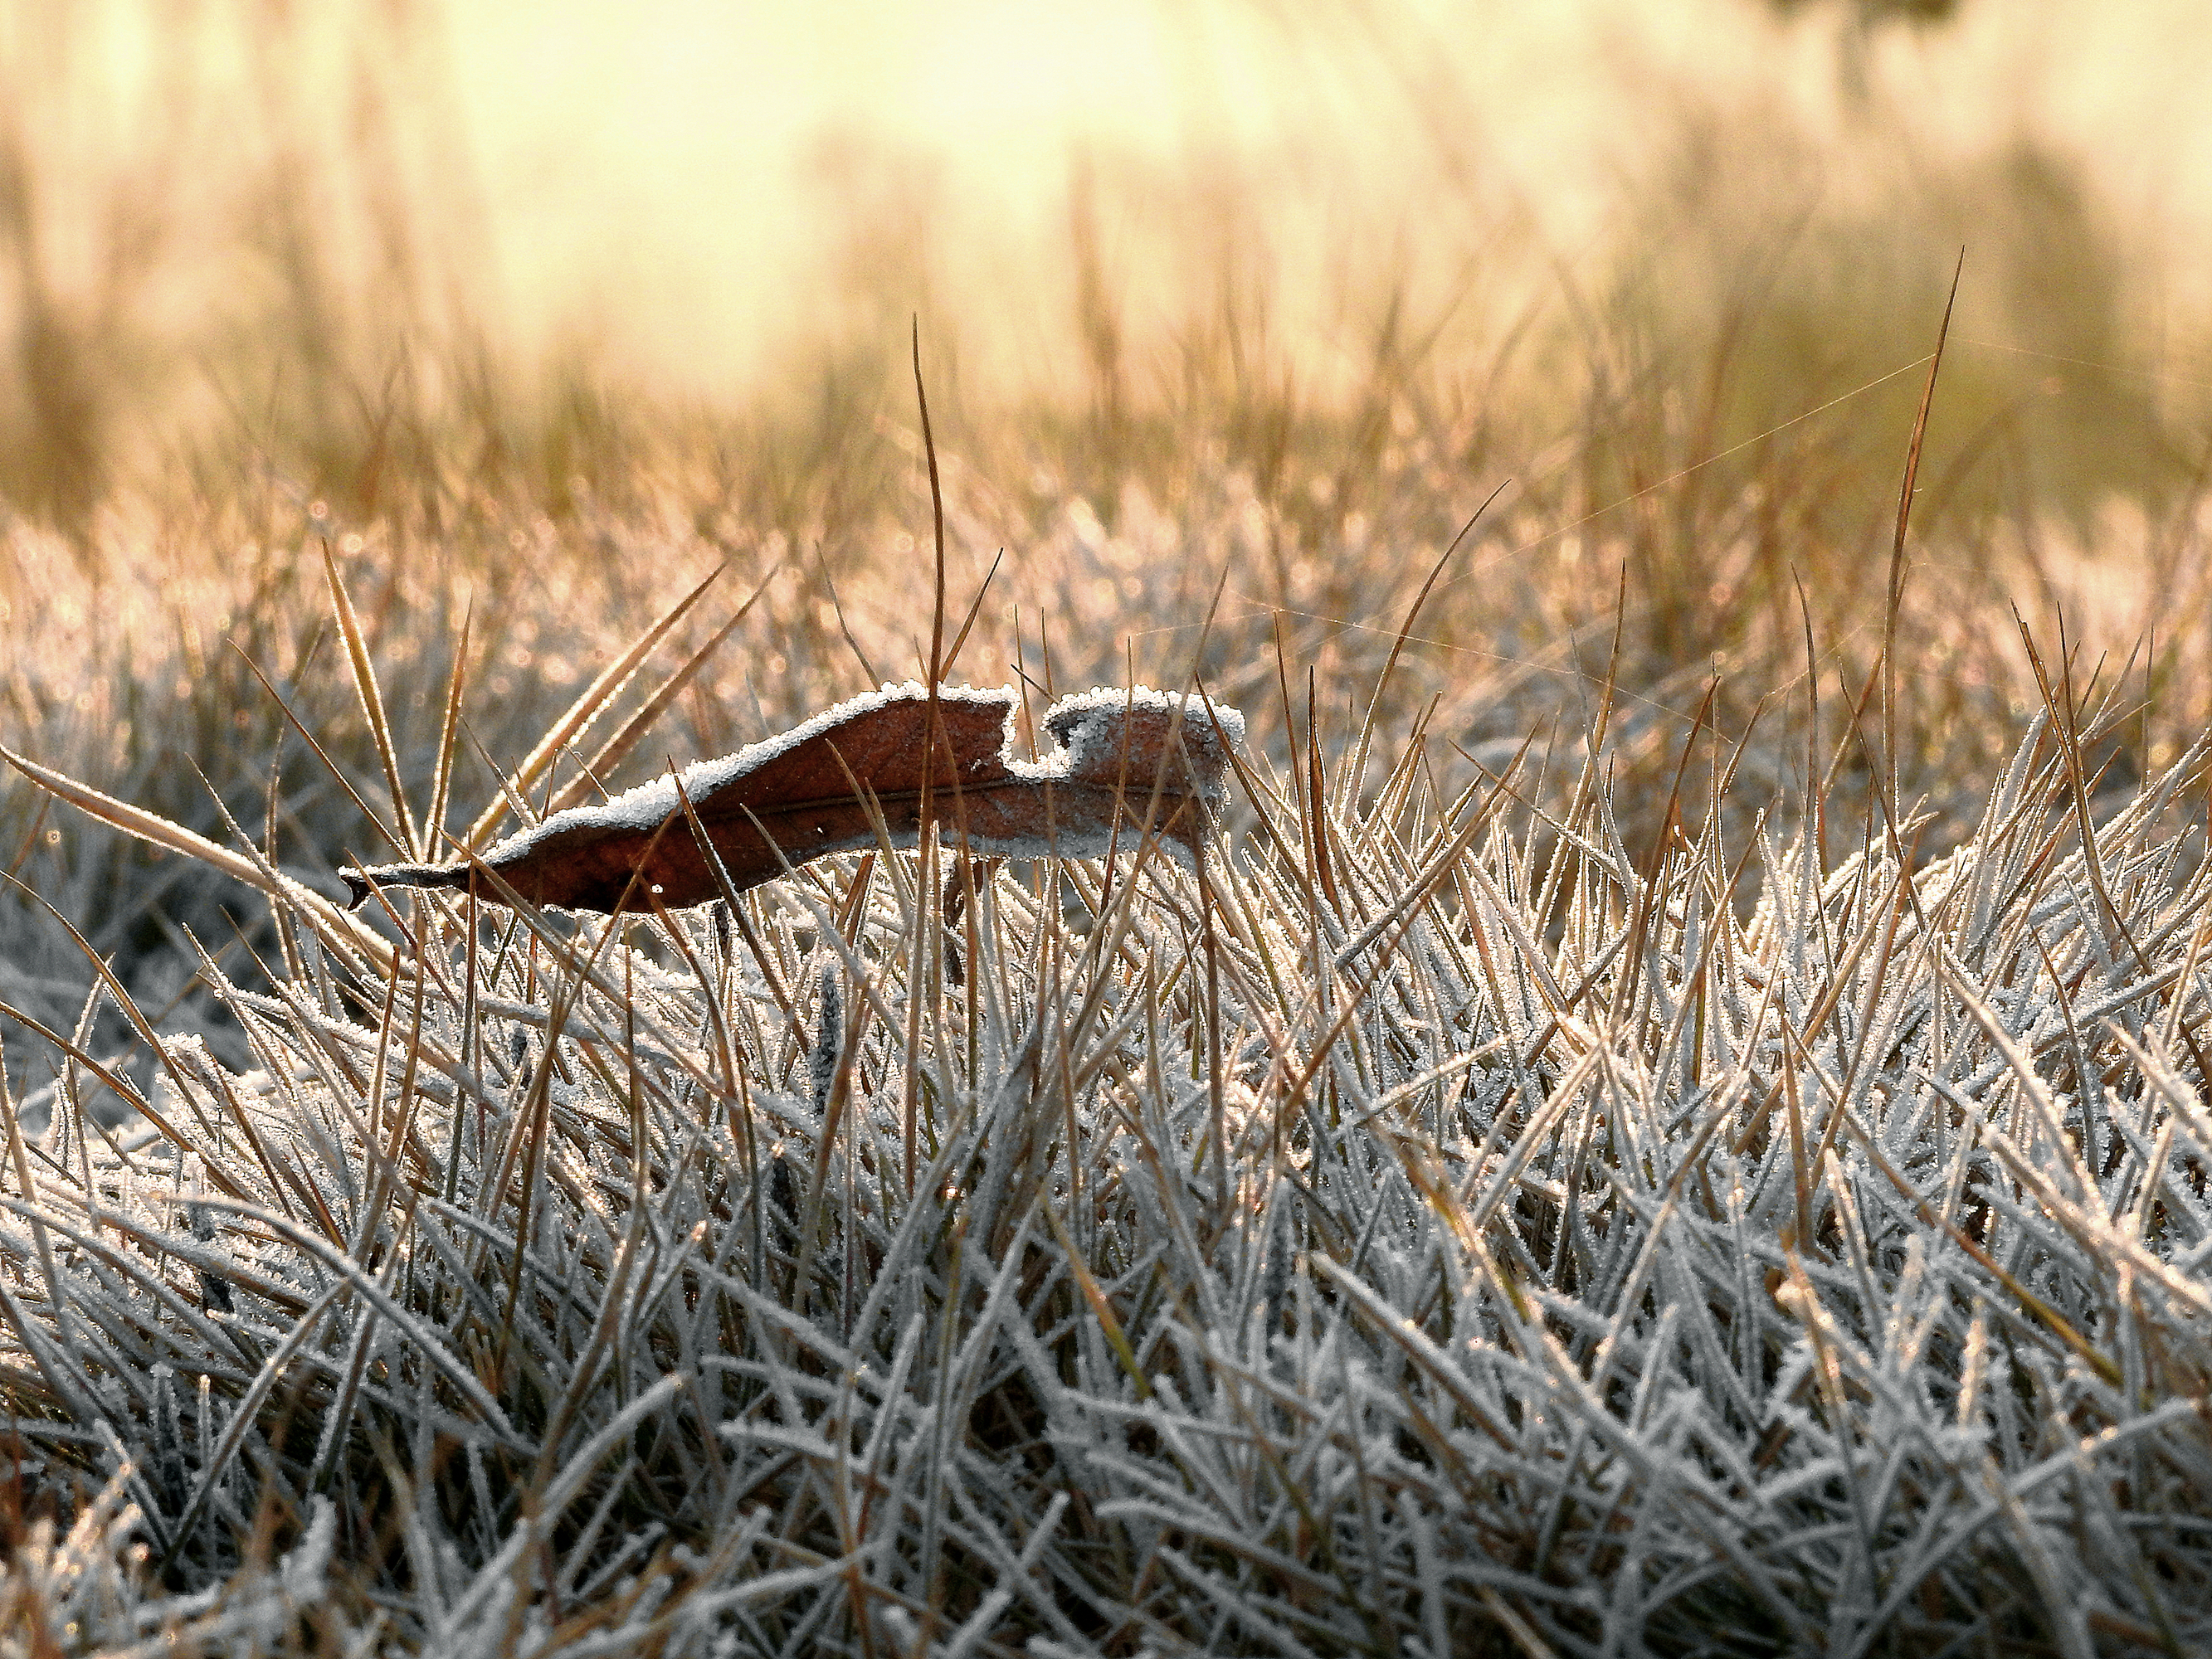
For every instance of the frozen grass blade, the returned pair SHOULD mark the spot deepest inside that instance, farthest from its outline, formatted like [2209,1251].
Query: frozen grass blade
[449,729]
[590,704]
[1893,598]
[617,748]
[372,703]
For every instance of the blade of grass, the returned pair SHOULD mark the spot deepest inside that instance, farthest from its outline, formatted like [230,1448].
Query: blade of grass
[612,753]
[372,702]
[1895,595]
[433,825]
[589,705]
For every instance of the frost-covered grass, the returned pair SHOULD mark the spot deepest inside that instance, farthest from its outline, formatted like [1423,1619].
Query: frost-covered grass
[1589,1211]
[1458,1226]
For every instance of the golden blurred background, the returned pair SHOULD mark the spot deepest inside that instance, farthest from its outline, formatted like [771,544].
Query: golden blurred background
[681,176]
[215,213]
